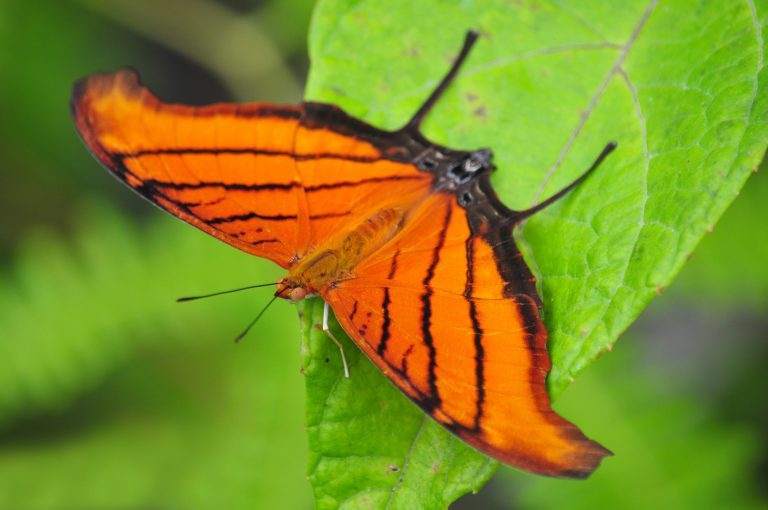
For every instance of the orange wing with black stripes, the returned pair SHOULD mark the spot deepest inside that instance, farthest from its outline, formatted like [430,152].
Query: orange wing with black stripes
[449,312]
[274,181]
[226,169]
[446,307]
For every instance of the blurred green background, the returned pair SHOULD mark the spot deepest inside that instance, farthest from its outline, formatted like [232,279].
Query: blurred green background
[112,396]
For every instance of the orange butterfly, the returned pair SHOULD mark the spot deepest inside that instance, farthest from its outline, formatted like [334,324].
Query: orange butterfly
[405,239]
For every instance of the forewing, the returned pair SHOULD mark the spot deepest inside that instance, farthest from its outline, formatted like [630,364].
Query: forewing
[227,169]
[350,170]
[455,325]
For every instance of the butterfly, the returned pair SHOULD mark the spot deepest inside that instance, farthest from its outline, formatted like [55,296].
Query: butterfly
[404,239]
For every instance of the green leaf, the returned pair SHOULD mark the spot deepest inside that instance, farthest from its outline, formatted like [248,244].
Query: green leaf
[680,85]
[370,447]
[741,285]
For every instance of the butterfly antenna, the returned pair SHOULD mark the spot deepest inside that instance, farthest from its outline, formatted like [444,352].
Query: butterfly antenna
[254,321]
[557,196]
[192,298]
[415,122]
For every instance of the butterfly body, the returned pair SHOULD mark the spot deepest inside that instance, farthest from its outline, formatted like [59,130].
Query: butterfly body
[405,239]
[329,264]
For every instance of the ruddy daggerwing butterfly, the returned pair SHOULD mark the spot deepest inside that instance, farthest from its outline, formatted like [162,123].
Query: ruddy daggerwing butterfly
[405,239]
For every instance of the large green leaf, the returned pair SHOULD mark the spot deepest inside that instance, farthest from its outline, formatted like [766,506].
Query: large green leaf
[680,84]
[732,274]
[369,446]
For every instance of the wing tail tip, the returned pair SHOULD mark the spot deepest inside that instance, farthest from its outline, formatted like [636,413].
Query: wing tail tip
[581,456]
[579,464]
[576,464]
[584,461]
[576,459]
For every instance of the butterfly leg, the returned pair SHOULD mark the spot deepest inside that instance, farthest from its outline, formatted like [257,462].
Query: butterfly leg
[327,331]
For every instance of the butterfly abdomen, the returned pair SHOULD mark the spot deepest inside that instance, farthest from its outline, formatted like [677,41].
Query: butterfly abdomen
[371,234]
[338,258]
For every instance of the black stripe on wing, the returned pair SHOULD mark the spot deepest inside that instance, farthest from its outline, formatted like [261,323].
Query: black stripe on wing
[477,331]
[277,186]
[434,400]
[494,222]
[387,321]
[243,151]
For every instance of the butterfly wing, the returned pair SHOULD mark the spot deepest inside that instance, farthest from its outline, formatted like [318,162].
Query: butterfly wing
[227,169]
[274,181]
[448,311]
[370,167]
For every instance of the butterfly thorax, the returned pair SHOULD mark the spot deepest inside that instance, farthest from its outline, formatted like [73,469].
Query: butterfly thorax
[335,260]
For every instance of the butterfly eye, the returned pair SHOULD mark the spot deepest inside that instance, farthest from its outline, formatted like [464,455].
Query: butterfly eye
[465,199]
[298,293]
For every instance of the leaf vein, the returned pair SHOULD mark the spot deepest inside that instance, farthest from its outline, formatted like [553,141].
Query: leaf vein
[641,224]
[615,69]
[617,66]
[406,462]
